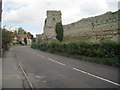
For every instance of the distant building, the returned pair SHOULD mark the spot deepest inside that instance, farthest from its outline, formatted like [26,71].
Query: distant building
[21,37]
[39,37]
[15,38]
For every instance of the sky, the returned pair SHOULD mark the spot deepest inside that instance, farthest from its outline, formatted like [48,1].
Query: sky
[31,14]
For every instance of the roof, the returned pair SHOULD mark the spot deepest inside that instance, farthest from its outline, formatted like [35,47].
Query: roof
[22,35]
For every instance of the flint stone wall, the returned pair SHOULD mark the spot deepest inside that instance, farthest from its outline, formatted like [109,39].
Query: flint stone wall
[102,27]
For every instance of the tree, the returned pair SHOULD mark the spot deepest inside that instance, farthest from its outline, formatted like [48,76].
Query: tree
[15,31]
[21,30]
[30,35]
[59,31]
[24,32]
[34,39]
[7,37]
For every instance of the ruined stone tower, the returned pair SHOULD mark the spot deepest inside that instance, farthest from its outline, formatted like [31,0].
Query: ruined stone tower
[53,17]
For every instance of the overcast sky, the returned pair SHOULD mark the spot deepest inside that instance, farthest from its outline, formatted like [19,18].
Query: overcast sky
[30,14]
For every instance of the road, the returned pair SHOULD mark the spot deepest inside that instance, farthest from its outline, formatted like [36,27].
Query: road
[46,70]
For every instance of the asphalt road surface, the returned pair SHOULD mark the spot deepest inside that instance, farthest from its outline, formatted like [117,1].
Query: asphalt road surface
[46,70]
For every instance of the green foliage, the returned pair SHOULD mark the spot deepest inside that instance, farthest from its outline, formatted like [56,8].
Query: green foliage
[33,39]
[59,31]
[21,30]
[103,49]
[7,37]
[35,45]
[30,35]
[15,31]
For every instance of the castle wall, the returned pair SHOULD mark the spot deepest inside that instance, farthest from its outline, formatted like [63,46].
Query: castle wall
[39,37]
[94,28]
[53,17]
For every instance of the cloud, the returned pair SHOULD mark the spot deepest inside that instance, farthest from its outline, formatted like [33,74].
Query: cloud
[33,12]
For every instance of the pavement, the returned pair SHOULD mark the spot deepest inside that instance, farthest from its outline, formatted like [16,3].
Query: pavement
[46,70]
[12,77]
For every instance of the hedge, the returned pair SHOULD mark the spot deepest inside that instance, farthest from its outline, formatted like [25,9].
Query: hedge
[103,49]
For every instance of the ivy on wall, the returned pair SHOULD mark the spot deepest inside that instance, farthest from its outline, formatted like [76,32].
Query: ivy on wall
[59,31]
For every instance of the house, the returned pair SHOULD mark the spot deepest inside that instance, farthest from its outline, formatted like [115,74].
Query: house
[15,39]
[21,38]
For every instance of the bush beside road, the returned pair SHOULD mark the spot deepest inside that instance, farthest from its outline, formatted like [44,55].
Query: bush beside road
[105,52]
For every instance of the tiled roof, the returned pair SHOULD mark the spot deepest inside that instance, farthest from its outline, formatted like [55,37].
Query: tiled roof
[22,35]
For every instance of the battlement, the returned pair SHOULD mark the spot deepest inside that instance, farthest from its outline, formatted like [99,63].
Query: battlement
[53,11]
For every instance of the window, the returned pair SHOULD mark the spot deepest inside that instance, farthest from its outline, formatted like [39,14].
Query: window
[53,18]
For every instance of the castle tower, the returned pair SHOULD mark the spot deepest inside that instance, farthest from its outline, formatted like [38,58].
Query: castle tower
[53,17]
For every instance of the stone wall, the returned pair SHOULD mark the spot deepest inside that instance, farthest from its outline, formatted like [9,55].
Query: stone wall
[94,28]
[39,37]
[53,17]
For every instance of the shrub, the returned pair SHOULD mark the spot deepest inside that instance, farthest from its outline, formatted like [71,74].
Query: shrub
[35,45]
[59,31]
[103,49]
[7,37]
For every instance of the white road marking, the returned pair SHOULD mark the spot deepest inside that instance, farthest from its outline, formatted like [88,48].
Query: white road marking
[26,76]
[44,81]
[42,56]
[39,77]
[96,76]
[60,63]
[50,59]
[56,61]
[32,52]
[37,54]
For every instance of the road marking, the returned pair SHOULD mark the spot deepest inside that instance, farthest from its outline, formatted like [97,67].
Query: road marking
[26,76]
[56,62]
[50,59]
[44,81]
[60,63]
[96,76]
[38,55]
[42,56]
[39,77]
[33,52]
